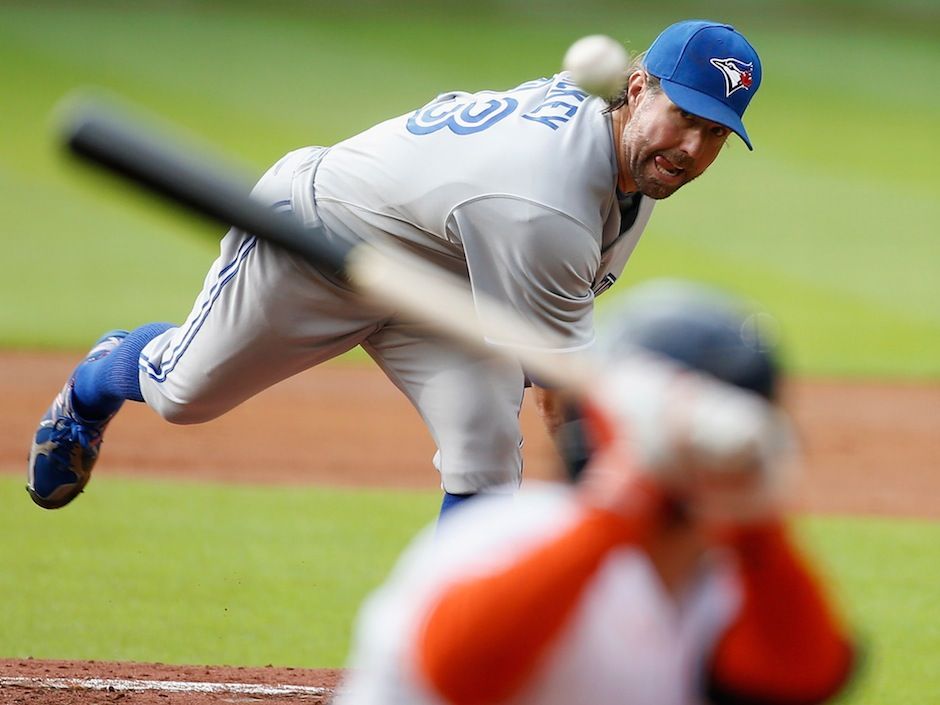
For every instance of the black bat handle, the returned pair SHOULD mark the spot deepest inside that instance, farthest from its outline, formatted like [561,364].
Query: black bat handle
[125,146]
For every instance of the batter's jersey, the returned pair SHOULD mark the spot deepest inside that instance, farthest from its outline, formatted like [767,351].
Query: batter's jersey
[629,641]
[514,189]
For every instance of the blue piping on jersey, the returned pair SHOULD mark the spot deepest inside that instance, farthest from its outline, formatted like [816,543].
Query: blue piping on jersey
[154,370]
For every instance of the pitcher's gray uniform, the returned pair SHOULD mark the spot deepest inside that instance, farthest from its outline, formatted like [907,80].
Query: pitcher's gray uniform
[515,190]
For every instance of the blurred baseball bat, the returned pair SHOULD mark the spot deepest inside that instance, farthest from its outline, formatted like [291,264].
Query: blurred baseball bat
[128,146]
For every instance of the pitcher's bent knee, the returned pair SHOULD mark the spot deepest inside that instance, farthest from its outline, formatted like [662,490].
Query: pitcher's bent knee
[182,411]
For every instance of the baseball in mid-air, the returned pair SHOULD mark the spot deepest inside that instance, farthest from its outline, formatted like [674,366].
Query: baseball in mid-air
[598,64]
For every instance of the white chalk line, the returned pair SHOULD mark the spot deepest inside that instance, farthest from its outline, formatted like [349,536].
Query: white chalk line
[120,684]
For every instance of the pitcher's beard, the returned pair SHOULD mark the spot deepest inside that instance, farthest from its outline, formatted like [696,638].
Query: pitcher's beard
[649,184]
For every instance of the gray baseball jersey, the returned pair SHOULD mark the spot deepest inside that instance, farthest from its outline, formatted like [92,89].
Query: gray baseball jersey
[518,187]
[514,190]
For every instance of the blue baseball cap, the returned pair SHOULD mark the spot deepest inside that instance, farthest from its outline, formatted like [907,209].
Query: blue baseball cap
[707,69]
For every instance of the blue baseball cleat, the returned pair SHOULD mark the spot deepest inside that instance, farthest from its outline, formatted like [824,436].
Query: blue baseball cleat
[66,446]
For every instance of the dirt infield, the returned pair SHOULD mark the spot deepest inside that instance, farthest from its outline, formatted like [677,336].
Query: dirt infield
[870,448]
[30,682]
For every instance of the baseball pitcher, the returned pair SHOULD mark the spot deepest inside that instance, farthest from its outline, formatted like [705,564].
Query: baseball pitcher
[536,196]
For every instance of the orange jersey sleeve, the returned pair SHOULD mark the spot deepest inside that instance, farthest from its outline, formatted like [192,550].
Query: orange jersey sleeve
[484,637]
[785,646]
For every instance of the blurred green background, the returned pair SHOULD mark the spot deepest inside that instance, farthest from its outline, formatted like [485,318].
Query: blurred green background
[832,224]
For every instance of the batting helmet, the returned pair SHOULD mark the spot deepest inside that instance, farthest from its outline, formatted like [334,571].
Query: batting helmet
[689,324]
[698,327]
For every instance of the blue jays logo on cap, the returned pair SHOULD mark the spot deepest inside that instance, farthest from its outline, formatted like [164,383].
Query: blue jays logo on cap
[707,69]
[737,74]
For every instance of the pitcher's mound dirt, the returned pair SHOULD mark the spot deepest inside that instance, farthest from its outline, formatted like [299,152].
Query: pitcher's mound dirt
[869,447]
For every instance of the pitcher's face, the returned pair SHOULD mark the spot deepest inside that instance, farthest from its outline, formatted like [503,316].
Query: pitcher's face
[663,147]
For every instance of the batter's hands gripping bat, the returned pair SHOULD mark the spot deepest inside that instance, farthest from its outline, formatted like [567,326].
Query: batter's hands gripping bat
[130,147]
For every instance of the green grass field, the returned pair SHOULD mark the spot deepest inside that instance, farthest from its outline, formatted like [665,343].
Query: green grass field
[831,224]
[156,571]
[884,571]
[194,573]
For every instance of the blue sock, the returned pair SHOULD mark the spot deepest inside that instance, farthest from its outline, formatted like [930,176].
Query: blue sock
[452,500]
[103,385]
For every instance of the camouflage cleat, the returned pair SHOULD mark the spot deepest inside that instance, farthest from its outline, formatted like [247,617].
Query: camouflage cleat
[66,446]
